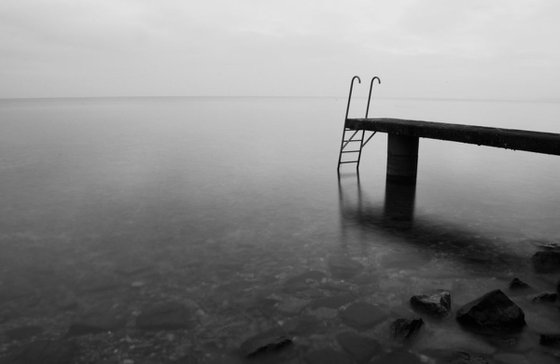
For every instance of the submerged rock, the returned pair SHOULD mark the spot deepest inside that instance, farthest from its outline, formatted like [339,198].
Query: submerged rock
[343,267]
[333,302]
[437,304]
[362,316]
[493,312]
[94,324]
[547,261]
[304,280]
[545,297]
[22,333]
[361,348]
[517,283]
[405,328]
[44,352]
[550,339]
[398,357]
[265,342]
[327,356]
[168,316]
[463,357]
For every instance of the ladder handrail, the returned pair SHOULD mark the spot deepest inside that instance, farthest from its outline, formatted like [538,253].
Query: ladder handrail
[350,94]
[370,89]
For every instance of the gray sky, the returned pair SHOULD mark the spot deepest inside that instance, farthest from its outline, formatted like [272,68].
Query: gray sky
[419,48]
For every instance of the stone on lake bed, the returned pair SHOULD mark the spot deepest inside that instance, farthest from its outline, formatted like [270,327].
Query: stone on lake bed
[96,323]
[398,357]
[437,304]
[23,332]
[333,302]
[550,339]
[362,316]
[547,261]
[304,280]
[167,316]
[328,356]
[360,347]
[271,340]
[44,352]
[493,312]
[545,297]
[343,267]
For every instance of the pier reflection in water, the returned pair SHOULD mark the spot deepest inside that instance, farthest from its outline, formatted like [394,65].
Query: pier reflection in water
[396,218]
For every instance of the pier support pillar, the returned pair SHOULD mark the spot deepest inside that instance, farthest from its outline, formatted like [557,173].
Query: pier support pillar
[402,158]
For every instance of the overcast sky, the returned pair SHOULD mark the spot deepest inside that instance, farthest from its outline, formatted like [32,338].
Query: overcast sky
[419,48]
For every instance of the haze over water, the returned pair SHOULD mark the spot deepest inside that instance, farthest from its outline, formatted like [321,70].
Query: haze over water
[119,203]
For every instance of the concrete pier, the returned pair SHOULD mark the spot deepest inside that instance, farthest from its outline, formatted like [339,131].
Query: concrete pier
[403,136]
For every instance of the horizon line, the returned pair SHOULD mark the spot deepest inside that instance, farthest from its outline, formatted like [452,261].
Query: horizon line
[411,98]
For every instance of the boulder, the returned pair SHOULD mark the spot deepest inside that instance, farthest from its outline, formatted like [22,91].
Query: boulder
[437,304]
[361,348]
[493,312]
[404,328]
[547,261]
[264,342]
[517,283]
[362,316]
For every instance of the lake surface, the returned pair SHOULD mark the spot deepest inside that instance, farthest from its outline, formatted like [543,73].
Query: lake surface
[109,207]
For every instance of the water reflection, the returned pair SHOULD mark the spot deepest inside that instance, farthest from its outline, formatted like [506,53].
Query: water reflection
[397,218]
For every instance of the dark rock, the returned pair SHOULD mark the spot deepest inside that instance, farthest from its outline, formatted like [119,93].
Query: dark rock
[265,342]
[94,324]
[545,297]
[437,304]
[398,357]
[169,316]
[517,283]
[333,302]
[24,332]
[547,261]
[405,328]
[492,312]
[550,339]
[362,348]
[558,287]
[44,352]
[362,316]
[343,267]
[327,356]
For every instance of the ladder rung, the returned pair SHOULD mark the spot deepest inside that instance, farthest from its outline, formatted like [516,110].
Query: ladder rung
[352,140]
[350,151]
[346,162]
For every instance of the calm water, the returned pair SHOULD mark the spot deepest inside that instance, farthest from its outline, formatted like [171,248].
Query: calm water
[112,205]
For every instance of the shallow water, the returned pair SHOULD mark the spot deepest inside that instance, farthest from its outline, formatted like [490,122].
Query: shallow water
[114,205]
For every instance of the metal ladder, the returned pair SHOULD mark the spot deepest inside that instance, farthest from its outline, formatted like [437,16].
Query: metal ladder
[348,144]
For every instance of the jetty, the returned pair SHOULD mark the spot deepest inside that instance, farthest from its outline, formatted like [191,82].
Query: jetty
[404,135]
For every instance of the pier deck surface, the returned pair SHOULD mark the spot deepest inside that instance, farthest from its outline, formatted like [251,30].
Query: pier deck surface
[531,141]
